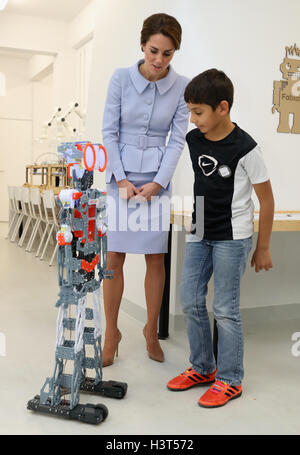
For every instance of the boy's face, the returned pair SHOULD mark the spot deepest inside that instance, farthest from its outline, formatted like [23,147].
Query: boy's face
[204,117]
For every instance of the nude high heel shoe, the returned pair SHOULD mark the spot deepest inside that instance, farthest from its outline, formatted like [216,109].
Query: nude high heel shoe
[109,353]
[155,352]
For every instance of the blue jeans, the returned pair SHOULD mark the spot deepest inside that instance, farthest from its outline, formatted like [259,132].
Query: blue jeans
[227,261]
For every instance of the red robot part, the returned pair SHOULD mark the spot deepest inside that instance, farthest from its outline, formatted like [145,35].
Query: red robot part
[89,266]
[61,240]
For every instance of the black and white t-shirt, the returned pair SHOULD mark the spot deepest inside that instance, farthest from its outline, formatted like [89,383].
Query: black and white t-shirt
[225,171]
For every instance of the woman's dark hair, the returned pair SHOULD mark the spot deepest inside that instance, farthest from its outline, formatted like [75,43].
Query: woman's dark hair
[164,24]
[210,87]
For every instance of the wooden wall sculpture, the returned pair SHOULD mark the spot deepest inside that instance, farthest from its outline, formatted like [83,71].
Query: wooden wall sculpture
[286,94]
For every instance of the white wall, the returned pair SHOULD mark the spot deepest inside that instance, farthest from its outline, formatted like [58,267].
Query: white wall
[83,67]
[81,29]
[245,39]
[40,66]
[42,105]
[15,127]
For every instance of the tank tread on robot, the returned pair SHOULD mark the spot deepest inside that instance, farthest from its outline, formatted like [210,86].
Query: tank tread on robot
[81,260]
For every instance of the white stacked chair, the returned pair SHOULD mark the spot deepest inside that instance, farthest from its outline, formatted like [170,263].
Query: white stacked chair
[18,201]
[38,216]
[52,224]
[27,212]
[14,211]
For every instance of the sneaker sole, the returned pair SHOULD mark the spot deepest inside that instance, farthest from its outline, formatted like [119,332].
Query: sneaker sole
[219,405]
[191,386]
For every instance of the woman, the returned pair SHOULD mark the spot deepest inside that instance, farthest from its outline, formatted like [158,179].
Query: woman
[143,103]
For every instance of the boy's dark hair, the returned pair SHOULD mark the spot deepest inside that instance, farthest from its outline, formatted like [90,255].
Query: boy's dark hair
[210,87]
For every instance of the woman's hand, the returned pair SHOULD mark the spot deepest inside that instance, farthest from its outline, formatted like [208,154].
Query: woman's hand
[126,189]
[148,191]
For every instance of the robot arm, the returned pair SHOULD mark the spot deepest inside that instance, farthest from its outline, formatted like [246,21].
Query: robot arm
[276,95]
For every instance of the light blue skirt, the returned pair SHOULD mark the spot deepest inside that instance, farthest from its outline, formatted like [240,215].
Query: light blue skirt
[138,227]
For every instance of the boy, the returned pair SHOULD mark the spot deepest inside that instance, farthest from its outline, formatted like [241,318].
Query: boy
[227,163]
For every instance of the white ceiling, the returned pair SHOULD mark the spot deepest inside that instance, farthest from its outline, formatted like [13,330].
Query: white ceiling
[64,10]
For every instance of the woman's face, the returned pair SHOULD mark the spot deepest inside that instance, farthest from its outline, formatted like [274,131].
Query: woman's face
[159,51]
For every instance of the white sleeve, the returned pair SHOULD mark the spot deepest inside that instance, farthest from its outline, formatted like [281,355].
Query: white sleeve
[254,165]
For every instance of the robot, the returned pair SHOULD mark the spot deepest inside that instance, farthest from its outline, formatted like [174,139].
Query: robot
[82,248]
[286,95]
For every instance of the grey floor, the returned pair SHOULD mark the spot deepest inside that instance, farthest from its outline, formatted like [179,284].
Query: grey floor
[28,290]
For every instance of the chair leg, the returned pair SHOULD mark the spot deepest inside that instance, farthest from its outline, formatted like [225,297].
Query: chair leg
[16,230]
[53,255]
[28,222]
[11,225]
[32,237]
[47,242]
[40,232]
[52,241]
[42,241]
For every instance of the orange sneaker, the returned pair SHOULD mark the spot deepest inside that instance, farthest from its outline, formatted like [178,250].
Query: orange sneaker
[219,394]
[190,378]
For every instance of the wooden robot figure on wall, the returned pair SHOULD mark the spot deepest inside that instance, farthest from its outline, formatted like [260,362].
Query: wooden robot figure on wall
[286,94]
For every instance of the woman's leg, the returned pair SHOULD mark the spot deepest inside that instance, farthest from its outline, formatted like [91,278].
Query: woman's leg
[113,291]
[154,287]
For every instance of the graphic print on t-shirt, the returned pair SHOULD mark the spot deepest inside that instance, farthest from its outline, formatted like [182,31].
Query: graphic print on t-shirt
[208,164]
[224,171]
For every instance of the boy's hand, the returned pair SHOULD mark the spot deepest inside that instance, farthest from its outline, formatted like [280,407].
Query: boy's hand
[262,259]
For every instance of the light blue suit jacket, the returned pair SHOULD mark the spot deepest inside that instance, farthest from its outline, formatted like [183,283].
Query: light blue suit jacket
[137,118]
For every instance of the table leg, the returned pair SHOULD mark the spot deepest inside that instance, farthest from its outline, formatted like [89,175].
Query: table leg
[21,225]
[163,325]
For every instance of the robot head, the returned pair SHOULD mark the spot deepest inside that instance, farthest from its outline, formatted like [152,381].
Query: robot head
[82,158]
[290,67]
[94,157]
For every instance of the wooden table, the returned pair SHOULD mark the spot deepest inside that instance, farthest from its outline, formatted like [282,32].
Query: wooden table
[284,221]
[52,176]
